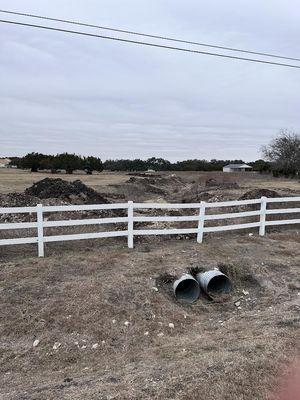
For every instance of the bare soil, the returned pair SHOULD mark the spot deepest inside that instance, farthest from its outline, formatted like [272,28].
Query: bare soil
[102,316]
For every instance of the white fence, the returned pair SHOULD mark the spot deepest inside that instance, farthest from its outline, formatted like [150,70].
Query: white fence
[130,219]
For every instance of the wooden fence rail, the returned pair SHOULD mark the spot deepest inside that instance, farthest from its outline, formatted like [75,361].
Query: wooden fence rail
[41,223]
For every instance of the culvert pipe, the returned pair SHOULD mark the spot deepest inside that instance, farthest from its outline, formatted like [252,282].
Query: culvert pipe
[186,288]
[214,283]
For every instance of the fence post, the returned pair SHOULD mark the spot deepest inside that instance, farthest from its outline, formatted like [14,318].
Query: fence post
[40,229]
[201,222]
[130,224]
[263,209]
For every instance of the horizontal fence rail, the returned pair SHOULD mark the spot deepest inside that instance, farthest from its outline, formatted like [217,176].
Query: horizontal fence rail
[128,221]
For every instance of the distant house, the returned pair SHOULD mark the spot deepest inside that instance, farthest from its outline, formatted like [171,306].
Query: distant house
[236,168]
[4,162]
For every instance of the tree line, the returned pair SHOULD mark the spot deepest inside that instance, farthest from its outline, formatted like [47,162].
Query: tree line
[281,157]
[71,162]
[55,163]
[160,164]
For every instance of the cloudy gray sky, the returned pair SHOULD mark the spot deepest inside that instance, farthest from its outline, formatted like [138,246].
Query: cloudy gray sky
[60,92]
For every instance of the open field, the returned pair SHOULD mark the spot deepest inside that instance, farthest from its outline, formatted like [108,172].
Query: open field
[12,180]
[103,327]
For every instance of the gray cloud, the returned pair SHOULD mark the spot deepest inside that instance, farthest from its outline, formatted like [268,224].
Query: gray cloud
[69,93]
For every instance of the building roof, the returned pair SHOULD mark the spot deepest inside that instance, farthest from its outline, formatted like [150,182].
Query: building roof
[237,166]
[4,161]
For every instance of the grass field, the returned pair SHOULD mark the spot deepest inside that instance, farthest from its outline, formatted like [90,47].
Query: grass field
[12,180]
[101,312]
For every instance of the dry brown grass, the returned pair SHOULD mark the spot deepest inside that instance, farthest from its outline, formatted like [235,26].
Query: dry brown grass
[12,180]
[215,351]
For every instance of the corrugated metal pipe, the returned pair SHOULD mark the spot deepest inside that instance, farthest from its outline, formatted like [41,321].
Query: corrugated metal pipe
[214,283]
[186,288]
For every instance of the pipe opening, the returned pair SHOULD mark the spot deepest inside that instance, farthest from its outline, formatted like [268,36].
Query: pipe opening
[187,290]
[218,285]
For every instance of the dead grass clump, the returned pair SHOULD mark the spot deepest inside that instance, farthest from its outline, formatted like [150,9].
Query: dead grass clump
[240,275]
[164,282]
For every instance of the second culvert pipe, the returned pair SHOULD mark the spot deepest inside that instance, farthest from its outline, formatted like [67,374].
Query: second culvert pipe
[214,282]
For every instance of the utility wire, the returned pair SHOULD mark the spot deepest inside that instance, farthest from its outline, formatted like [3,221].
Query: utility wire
[148,35]
[148,44]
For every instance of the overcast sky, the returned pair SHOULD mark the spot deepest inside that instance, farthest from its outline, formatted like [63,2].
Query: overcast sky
[62,92]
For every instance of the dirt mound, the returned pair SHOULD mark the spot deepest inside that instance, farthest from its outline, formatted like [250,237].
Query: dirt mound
[24,200]
[257,193]
[197,197]
[146,185]
[196,194]
[144,174]
[225,185]
[73,192]
[17,200]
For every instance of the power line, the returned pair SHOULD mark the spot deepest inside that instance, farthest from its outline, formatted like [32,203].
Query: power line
[148,44]
[149,35]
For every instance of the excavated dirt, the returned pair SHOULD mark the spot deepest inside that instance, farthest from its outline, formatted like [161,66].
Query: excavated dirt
[224,185]
[74,192]
[54,192]
[258,193]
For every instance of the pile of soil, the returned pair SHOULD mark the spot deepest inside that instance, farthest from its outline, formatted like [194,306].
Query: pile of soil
[24,200]
[196,194]
[197,197]
[224,185]
[17,200]
[146,185]
[257,193]
[144,174]
[74,192]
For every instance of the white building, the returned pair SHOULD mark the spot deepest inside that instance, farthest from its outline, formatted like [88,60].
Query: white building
[4,162]
[236,168]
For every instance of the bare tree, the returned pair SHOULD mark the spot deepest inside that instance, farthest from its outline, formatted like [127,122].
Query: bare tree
[284,153]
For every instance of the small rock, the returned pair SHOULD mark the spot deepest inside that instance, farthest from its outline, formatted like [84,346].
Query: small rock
[95,346]
[237,304]
[56,345]
[126,323]
[245,292]
[154,288]
[171,325]
[250,234]
[83,347]
[36,343]
[146,333]
[160,334]
[113,321]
